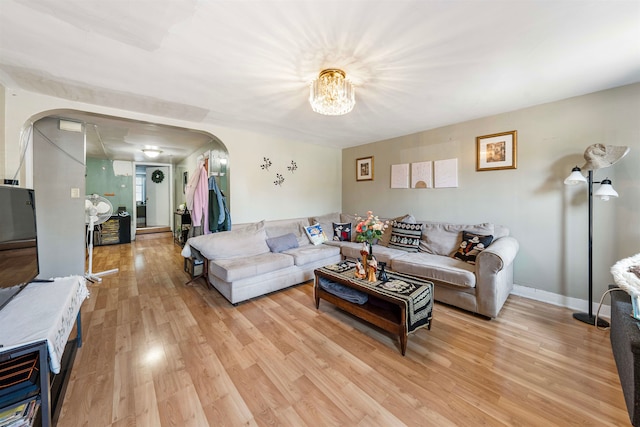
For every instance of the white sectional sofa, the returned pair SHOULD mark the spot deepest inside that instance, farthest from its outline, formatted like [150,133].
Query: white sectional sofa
[259,258]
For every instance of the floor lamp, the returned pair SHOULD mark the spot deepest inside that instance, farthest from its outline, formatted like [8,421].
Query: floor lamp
[597,156]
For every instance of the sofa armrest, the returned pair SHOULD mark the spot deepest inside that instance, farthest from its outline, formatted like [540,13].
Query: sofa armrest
[228,244]
[498,255]
[494,275]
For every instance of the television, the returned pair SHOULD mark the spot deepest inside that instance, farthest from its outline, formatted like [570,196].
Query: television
[18,241]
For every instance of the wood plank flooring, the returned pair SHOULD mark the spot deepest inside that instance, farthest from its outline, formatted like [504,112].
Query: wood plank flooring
[159,353]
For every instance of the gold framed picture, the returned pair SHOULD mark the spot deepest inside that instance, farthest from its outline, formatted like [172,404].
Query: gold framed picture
[497,151]
[364,169]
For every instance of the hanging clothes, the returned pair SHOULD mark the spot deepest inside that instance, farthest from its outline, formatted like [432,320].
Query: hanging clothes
[219,219]
[198,201]
[190,189]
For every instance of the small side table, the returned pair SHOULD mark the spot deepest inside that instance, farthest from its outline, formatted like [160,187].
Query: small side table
[182,224]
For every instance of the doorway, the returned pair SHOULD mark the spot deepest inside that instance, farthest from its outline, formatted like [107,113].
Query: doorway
[153,198]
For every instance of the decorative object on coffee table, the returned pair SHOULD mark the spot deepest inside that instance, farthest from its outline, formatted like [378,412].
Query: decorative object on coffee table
[364,253]
[382,275]
[370,229]
[372,269]
[360,271]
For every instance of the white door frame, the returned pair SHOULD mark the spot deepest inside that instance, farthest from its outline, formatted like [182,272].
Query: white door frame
[171,191]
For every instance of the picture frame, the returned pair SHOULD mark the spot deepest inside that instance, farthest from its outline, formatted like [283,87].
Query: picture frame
[364,169]
[497,151]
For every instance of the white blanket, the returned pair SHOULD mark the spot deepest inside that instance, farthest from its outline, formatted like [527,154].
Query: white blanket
[43,311]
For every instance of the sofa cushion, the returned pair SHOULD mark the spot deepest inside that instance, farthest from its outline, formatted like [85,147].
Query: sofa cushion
[282,243]
[341,231]
[436,267]
[284,226]
[246,241]
[405,236]
[440,238]
[471,246]
[316,234]
[309,253]
[231,269]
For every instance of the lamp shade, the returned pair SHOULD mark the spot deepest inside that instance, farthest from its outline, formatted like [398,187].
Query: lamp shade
[575,177]
[606,190]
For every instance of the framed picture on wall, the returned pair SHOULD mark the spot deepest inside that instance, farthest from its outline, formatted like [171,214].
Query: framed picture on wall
[364,169]
[496,151]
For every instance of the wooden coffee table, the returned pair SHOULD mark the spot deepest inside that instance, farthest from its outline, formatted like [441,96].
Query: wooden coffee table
[400,306]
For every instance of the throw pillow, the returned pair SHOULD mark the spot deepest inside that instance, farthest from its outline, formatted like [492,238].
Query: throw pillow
[325,221]
[405,236]
[282,243]
[386,234]
[342,231]
[471,246]
[351,218]
[315,234]
[441,238]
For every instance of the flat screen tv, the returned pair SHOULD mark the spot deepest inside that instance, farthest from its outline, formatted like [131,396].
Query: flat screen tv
[18,241]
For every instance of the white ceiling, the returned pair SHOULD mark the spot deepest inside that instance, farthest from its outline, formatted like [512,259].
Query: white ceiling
[417,65]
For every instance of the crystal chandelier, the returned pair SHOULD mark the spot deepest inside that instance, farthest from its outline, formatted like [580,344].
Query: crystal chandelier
[331,93]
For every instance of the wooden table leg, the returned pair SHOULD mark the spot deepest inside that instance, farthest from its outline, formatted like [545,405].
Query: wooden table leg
[403,331]
[403,342]
[315,291]
[204,274]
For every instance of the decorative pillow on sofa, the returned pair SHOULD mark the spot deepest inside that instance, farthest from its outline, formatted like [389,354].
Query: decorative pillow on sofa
[282,243]
[405,236]
[315,233]
[350,218]
[471,246]
[386,234]
[325,221]
[342,231]
[441,238]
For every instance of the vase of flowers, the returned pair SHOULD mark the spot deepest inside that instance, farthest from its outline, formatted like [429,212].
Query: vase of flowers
[368,230]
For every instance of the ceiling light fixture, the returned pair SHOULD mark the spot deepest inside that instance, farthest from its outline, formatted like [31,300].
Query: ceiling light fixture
[151,153]
[332,94]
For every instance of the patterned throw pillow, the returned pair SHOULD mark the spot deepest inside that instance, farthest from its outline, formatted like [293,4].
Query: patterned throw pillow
[342,231]
[315,234]
[405,236]
[471,246]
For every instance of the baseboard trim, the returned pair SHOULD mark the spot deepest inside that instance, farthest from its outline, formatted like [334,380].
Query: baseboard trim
[561,300]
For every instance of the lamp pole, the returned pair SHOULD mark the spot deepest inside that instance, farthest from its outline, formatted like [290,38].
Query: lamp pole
[589,317]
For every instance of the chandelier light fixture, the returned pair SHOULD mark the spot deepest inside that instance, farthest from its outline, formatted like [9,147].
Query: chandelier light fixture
[332,94]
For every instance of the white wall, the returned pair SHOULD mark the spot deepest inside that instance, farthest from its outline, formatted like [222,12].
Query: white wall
[315,188]
[548,218]
[59,160]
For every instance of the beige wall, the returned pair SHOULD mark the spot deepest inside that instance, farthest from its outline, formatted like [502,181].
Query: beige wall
[548,218]
[314,188]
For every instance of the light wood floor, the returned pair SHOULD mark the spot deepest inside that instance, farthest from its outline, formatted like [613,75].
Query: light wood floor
[159,353]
